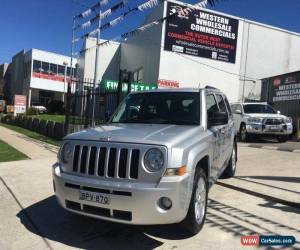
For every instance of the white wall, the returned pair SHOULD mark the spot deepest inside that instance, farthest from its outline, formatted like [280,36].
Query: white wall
[143,50]
[108,64]
[45,84]
[267,51]
[51,57]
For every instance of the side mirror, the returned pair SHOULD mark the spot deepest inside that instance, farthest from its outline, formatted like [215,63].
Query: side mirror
[238,112]
[218,118]
[278,112]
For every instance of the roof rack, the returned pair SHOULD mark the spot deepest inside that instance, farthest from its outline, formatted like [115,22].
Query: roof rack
[210,87]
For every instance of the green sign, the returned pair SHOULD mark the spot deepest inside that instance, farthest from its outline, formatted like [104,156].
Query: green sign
[111,85]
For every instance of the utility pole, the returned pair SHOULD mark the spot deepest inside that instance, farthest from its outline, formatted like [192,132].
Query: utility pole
[96,71]
[65,63]
[68,104]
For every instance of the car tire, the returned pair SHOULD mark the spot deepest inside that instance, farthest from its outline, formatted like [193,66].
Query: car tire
[229,171]
[282,138]
[195,218]
[244,137]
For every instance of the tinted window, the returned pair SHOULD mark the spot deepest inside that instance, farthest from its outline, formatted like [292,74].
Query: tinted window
[227,106]
[53,69]
[61,70]
[45,67]
[221,103]
[36,66]
[258,108]
[211,105]
[180,108]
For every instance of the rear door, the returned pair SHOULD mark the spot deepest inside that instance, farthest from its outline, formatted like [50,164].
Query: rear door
[225,130]
[212,107]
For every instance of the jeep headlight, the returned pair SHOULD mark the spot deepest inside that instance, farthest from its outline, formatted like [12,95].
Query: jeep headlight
[255,120]
[288,120]
[154,160]
[66,153]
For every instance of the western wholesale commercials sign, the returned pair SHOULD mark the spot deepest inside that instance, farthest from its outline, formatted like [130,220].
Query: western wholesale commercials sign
[201,33]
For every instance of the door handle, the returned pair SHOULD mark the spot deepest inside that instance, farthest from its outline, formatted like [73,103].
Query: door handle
[222,131]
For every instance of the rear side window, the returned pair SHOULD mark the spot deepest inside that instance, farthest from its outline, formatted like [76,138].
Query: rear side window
[211,105]
[221,103]
[227,106]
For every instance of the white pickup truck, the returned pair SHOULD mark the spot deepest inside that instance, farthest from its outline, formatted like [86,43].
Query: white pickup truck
[153,163]
[260,119]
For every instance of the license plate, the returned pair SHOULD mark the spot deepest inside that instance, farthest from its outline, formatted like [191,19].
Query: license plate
[274,127]
[94,197]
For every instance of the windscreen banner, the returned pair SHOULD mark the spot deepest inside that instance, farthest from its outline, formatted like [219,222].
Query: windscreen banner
[201,33]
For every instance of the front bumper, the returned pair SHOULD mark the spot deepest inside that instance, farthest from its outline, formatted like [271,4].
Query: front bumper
[131,203]
[262,129]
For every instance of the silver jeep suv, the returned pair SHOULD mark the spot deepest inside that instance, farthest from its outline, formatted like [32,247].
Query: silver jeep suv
[153,163]
[260,119]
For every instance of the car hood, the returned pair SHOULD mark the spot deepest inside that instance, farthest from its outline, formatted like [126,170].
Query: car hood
[160,134]
[260,115]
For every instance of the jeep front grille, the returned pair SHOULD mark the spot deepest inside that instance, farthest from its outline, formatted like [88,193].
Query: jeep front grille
[274,121]
[110,162]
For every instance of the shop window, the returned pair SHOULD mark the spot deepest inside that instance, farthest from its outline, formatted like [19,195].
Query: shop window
[61,70]
[45,67]
[53,69]
[37,65]
[138,75]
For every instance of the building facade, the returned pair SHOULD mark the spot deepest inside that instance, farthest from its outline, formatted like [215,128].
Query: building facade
[40,75]
[201,47]
[4,76]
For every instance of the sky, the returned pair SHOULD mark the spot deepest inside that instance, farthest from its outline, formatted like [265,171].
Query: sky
[47,25]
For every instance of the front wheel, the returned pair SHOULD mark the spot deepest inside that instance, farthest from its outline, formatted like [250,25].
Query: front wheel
[195,218]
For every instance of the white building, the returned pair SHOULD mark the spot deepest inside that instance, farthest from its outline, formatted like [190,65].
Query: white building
[202,48]
[40,75]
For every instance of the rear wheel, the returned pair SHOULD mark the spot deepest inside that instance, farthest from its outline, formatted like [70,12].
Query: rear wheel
[231,167]
[195,218]
[243,133]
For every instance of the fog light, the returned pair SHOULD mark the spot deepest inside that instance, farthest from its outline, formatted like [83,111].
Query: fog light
[165,203]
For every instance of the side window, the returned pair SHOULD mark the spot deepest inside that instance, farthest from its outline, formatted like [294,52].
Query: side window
[221,103]
[227,105]
[211,106]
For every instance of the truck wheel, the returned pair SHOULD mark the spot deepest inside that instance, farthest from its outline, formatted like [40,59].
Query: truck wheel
[243,133]
[231,167]
[195,218]
[282,138]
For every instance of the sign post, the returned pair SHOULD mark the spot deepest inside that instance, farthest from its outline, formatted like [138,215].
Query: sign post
[19,104]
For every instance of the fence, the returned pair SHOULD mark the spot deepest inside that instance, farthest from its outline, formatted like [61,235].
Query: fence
[89,105]
[51,129]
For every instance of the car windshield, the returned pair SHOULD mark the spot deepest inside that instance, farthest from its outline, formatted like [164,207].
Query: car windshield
[258,108]
[181,108]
